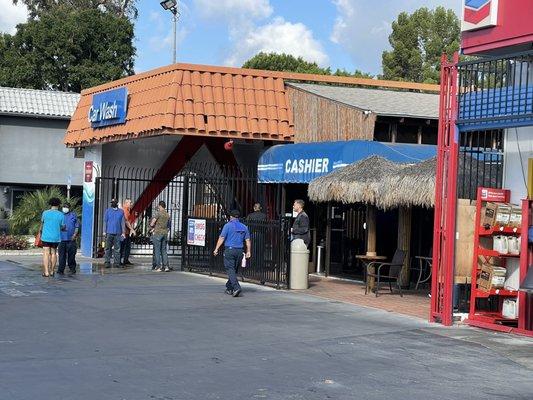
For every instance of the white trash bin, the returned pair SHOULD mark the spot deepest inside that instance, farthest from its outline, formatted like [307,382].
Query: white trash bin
[299,265]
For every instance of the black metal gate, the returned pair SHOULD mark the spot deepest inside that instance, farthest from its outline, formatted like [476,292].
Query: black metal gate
[269,261]
[209,192]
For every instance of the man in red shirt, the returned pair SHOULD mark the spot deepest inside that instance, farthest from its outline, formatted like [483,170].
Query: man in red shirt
[125,245]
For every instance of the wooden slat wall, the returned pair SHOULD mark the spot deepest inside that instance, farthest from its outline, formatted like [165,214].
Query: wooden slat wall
[317,119]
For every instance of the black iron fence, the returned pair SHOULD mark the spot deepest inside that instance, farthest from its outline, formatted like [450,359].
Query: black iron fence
[269,261]
[480,162]
[496,92]
[207,191]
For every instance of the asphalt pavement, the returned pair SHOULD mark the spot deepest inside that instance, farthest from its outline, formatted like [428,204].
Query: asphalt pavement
[134,334]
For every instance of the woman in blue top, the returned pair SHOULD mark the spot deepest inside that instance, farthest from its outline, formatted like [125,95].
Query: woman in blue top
[51,226]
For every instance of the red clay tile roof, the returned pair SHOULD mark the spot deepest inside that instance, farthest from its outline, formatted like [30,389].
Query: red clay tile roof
[190,99]
[184,99]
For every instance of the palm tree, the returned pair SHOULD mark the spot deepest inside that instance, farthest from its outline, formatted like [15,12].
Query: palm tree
[26,218]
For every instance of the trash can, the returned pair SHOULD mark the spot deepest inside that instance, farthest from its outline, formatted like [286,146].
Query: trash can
[299,265]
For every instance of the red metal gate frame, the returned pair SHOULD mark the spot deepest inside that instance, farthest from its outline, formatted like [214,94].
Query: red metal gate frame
[445,196]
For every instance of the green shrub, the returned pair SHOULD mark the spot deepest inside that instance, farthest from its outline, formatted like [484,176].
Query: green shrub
[26,218]
[9,242]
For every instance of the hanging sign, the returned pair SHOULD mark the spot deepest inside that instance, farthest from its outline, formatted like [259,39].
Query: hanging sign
[479,14]
[196,232]
[108,108]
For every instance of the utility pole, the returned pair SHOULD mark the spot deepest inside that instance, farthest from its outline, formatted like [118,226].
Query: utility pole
[175,41]
[172,6]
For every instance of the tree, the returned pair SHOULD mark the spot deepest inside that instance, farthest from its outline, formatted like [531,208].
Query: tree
[356,74]
[26,218]
[118,8]
[67,50]
[418,41]
[289,63]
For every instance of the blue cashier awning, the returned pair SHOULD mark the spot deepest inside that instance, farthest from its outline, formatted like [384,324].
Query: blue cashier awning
[303,162]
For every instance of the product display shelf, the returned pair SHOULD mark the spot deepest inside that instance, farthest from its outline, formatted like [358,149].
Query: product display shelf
[492,253]
[493,319]
[482,315]
[496,292]
[499,230]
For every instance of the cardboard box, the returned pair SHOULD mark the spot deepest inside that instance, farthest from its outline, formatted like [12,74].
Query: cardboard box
[515,219]
[489,215]
[491,277]
[503,215]
[493,261]
[484,280]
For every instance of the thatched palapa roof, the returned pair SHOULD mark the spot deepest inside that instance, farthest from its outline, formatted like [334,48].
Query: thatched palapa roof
[379,182]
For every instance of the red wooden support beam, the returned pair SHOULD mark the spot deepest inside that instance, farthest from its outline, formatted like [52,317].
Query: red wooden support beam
[180,156]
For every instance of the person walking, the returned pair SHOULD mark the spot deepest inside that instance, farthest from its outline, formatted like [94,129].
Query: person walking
[160,228]
[234,236]
[67,248]
[50,229]
[125,245]
[300,227]
[114,231]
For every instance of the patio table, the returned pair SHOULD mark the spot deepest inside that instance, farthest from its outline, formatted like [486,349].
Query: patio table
[367,260]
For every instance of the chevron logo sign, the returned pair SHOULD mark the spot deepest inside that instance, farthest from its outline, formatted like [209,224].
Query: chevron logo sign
[478,14]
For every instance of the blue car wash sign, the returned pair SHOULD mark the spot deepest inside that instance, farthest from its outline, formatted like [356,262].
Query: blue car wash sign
[109,108]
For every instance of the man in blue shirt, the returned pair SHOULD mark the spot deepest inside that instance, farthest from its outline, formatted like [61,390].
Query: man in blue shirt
[114,231]
[67,247]
[234,235]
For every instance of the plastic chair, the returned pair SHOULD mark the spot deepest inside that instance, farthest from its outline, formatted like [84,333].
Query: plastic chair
[389,275]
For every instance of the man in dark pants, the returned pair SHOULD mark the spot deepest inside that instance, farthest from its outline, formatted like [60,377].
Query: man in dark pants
[67,247]
[300,227]
[234,235]
[125,245]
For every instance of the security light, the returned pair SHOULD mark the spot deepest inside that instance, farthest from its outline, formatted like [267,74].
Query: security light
[172,6]
[168,4]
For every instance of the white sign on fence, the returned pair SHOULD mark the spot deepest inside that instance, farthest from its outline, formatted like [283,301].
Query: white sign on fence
[196,232]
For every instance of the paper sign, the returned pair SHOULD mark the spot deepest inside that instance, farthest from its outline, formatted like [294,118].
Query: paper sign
[196,232]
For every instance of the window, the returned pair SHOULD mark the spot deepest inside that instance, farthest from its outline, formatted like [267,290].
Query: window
[79,152]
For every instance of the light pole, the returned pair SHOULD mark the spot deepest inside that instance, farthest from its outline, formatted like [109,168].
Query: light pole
[172,6]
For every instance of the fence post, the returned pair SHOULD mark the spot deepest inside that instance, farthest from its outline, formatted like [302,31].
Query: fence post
[96,216]
[184,223]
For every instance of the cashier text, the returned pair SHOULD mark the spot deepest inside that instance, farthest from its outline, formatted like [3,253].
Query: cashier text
[314,165]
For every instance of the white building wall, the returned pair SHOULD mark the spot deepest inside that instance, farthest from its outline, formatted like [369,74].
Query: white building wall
[518,148]
[32,152]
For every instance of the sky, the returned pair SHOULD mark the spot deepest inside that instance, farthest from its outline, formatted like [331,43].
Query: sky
[346,34]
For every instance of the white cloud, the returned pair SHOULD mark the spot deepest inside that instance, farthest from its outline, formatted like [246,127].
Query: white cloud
[234,9]
[278,36]
[362,27]
[11,15]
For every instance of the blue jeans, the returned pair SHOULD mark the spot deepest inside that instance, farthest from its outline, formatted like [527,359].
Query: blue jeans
[112,241]
[160,250]
[232,262]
